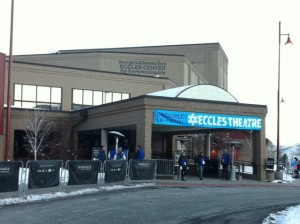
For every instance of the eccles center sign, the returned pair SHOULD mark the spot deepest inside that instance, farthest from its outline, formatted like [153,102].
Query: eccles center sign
[204,120]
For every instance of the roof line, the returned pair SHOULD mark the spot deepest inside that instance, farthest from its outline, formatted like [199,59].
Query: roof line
[88,70]
[153,46]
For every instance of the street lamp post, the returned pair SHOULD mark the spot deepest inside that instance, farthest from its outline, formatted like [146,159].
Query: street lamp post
[278,172]
[8,108]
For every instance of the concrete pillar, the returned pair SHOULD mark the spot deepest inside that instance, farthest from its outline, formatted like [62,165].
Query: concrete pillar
[259,154]
[104,138]
[144,133]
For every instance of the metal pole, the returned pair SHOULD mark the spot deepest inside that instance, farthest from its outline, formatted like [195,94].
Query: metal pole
[8,112]
[232,164]
[278,99]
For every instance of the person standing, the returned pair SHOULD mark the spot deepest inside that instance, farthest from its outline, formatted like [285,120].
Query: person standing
[119,155]
[102,155]
[201,163]
[111,153]
[140,153]
[225,160]
[183,163]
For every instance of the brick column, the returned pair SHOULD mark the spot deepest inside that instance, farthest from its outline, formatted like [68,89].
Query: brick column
[259,154]
[144,133]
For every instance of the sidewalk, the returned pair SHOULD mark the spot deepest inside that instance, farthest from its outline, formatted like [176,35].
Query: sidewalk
[191,181]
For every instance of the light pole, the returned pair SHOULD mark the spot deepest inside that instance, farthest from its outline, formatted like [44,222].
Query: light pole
[8,108]
[278,95]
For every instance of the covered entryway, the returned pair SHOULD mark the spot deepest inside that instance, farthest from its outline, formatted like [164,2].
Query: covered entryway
[154,119]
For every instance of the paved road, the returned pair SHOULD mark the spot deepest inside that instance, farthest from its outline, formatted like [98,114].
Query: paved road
[191,202]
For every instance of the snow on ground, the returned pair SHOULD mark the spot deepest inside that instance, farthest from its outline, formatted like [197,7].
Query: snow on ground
[48,196]
[290,215]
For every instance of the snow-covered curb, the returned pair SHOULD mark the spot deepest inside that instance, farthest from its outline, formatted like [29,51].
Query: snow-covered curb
[48,196]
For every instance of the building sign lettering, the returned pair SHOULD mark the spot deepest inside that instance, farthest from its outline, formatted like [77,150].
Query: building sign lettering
[204,120]
[143,67]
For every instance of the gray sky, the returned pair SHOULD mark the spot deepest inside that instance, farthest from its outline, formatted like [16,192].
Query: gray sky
[247,31]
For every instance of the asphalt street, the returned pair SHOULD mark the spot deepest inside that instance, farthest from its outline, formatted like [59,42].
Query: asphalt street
[168,201]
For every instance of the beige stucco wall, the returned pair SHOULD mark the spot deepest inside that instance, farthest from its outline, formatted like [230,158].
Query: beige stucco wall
[68,79]
[205,58]
[168,66]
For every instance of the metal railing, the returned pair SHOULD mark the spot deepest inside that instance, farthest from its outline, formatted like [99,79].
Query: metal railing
[165,167]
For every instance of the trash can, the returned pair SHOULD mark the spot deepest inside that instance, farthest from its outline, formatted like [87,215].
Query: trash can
[270,170]
[270,175]
[278,175]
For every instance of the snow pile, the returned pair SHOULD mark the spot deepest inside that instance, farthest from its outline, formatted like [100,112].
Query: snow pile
[290,215]
[41,197]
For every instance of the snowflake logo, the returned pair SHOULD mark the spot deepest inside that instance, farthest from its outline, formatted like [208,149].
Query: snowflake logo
[192,119]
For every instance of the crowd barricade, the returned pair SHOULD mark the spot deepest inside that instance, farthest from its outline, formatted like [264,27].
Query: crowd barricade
[142,170]
[9,176]
[43,174]
[165,167]
[39,174]
[82,172]
[115,171]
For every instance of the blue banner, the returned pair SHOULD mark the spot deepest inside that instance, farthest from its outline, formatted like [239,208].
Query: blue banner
[204,120]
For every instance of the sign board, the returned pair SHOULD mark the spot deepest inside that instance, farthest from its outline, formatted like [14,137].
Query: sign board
[44,173]
[270,163]
[95,153]
[142,169]
[83,172]
[115,170]
[9,176]
[204,120]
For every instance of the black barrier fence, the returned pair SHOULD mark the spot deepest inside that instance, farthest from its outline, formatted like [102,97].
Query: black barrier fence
[44,173]
[49,173]
[9,175]
[142,169]
[115,170]
[83,171]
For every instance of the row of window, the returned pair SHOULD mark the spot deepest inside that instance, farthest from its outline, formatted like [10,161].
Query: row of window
[50,98]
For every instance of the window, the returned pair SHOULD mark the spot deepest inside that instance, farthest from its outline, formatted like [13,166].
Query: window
[43,97]
[88,98]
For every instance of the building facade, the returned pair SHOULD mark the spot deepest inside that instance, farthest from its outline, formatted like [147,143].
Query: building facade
[89,93]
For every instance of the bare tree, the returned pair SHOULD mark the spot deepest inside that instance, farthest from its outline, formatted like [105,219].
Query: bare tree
[37,128]
[271,148]
[248,137]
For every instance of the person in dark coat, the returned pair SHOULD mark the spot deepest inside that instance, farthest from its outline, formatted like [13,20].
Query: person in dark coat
[102,155]
[201,163]
[225,161]
[183,163]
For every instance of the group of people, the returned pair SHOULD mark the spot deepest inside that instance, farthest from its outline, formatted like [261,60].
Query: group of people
[120,154]
[200,161]
[183,164]
[296,167]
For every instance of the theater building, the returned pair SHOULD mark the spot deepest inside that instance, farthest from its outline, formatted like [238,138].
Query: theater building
[151,94]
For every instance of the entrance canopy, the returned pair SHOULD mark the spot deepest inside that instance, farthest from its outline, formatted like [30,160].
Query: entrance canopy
[200,92]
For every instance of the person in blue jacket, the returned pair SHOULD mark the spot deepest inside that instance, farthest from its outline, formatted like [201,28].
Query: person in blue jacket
[119,155]
[140,153]
[111,153]
[201,163]
[225,161]
[102,155]
[183,163]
